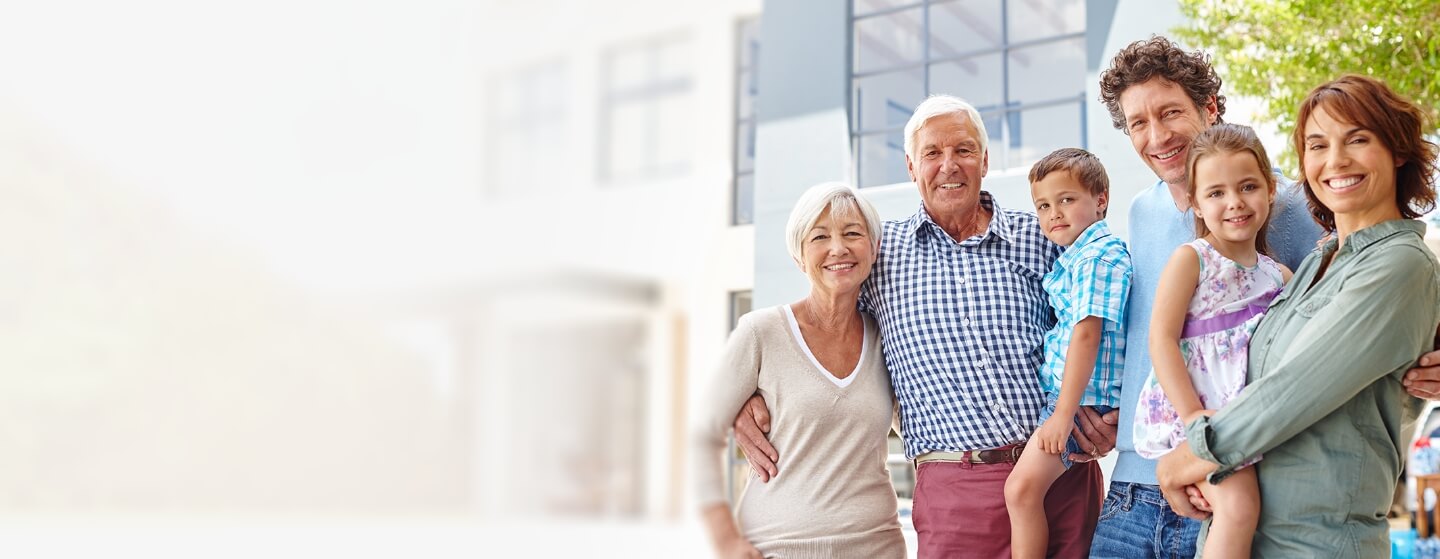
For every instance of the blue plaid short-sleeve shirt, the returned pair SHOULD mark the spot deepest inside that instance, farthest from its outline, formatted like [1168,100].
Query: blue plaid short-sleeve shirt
[962,324]
[1092,278]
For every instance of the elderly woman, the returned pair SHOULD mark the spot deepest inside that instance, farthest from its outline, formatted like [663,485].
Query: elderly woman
[817,361]
[1325,400]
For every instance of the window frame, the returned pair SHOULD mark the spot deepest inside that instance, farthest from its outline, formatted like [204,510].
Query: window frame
[507,126]
[653,89]
[1008,112]
[741,120]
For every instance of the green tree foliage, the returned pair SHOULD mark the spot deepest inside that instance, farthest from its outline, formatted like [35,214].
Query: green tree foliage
[1278,50]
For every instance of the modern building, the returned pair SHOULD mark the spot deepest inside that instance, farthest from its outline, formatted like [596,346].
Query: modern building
[648,165]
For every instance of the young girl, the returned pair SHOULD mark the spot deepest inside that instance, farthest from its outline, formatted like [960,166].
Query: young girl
[1211,296]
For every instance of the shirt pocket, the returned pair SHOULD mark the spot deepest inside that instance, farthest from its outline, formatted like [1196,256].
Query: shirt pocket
[1312,306]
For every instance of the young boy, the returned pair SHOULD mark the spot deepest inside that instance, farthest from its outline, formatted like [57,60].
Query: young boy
[1084,352]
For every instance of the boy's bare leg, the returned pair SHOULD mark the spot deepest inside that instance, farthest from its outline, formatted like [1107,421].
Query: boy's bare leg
[1025,491]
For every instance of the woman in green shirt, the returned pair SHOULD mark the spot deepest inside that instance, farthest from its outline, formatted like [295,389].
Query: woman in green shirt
[1325,401]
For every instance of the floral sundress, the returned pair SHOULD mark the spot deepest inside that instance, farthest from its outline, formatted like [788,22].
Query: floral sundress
[1228,303]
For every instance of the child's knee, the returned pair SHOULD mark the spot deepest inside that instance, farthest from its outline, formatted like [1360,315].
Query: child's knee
[1023,491]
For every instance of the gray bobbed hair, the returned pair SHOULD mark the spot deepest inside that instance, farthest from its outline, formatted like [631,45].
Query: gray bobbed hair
[841,199]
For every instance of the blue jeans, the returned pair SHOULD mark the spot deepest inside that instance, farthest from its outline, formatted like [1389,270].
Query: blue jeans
[1137,523]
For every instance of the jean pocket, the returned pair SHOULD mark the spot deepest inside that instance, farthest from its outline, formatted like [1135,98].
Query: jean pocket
[1110,507]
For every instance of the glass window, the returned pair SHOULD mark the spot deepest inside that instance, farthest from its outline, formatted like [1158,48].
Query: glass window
[1033,71]
[743,191]
[877,98]
[973,79]
[1021,63]
[526,109]
[888,40]
[737,467]
[740,303]
[862,7]
[881,158]
[964,27]
[646,97]
[1030,21]
[1039,131]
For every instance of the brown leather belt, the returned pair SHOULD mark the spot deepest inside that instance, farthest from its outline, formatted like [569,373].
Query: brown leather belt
[1008,454]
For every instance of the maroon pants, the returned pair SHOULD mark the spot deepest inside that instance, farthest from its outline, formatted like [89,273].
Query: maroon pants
[959,510]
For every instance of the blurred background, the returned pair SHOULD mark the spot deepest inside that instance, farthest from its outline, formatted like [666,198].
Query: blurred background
[441,278]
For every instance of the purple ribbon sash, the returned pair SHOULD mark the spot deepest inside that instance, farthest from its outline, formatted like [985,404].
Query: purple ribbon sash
[1220,322]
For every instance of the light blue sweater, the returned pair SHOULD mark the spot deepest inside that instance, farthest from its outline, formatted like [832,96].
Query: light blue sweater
[1156,228]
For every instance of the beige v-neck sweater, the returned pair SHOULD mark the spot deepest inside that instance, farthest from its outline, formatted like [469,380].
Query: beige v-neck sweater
[832,497]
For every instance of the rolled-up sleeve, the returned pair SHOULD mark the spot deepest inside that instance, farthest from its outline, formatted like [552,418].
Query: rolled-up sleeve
[1104,285]
[1376,324]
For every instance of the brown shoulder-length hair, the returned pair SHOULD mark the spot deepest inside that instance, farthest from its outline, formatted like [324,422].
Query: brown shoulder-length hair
[1158,57]
[1396,121]
[1230,138]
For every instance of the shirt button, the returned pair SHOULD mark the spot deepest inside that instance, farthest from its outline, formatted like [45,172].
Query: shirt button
[980,362]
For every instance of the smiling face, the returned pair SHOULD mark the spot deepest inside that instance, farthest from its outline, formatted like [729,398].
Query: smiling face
[1232,196]
[1350,171]
[837,253]
[947,165]
[1065,207]
[1162,121]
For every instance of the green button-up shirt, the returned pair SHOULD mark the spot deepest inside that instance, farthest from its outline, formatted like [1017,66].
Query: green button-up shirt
[1324,402]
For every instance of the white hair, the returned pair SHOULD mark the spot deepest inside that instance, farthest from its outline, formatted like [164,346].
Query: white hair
[938,105]
[841,199]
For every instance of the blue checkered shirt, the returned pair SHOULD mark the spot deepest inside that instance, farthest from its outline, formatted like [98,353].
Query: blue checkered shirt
[1092,278]
[962,325]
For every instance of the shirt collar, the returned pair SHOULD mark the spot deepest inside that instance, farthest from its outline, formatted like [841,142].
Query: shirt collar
[1096,231]
[1000,224]
[1363,238]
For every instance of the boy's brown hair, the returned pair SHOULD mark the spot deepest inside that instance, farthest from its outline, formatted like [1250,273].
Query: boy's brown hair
[1082,165]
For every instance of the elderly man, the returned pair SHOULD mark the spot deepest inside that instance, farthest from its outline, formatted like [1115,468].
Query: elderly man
[957,293]
[1162,97]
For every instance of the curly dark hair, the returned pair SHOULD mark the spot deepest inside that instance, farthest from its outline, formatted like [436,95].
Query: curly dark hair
[1159,57]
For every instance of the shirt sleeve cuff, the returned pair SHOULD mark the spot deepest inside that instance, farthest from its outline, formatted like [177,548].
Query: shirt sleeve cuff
[1110,314]
[1198,433]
